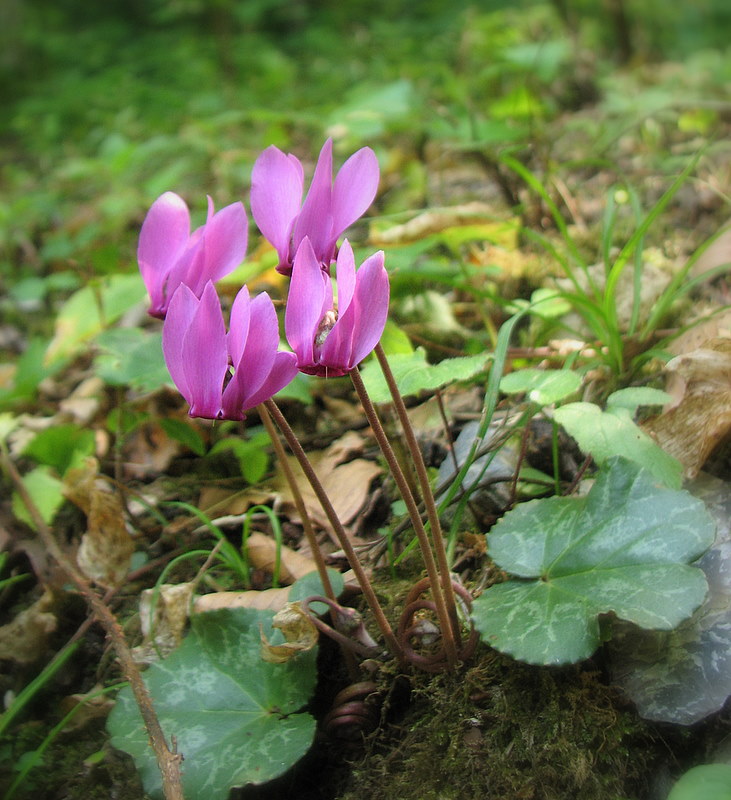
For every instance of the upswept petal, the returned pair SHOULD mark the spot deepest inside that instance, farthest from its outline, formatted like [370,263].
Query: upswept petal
[277,183]
[239,325]
[255,362]
[163,238]
[310,297]
[226,238]
[315,219]
[282,372]
[345,276]
[370,302]
[204,355]
[355,188]
[180,314]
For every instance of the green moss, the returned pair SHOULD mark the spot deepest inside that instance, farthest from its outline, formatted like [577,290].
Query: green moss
[504,729]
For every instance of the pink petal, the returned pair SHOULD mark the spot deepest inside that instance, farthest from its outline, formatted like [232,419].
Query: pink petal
[345,274]
[310,296]
[370,303]
[239,325]
[180,313]
[277,183]
[282,373]
[355,188]
[204,355]
[163,238]
[256,360]
[315,219]
[226,236]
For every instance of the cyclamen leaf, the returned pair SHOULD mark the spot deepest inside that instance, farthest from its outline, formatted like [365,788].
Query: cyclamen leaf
[609,433]
[544,386]
[414,374]
[233,715]
[622,549]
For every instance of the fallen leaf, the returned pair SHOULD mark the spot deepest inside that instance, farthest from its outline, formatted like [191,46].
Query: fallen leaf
[106,548]
[299,632]
[163,616]
[265,600]
[262,551]
[700,416]
[25,639]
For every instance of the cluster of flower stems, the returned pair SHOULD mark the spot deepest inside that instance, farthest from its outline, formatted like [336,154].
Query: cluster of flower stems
[432,547]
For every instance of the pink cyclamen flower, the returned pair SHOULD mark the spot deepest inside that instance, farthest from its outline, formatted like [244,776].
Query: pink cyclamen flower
[277,183]
[199,353]
[330,342]
[169,255]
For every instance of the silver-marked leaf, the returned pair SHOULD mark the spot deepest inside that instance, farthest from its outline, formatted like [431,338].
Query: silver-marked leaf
[609,433]
[624,549]
[682,676]
[233,715]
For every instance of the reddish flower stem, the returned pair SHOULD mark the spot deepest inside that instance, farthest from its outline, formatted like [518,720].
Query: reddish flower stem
[426,490]
[445,623]
[345,544]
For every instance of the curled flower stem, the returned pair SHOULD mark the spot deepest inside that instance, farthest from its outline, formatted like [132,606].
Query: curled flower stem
[345,544]
[426,491]
[445,623]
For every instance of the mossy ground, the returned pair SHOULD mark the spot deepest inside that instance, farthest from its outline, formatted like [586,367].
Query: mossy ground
[506,730]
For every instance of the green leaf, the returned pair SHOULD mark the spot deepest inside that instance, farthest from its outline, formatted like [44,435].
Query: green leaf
[706,782]
[61,447]
[132,357]
[544,386]
[91,309]
[413,374]
[613,433]
[622,549]
[252,454]
[234,716]
[45,490]
[310,584]
[185,434]
[635,396]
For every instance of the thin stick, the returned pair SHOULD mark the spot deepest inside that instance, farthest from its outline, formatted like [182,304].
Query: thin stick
[345,544]
[168,761]
[426,490]
[445,623]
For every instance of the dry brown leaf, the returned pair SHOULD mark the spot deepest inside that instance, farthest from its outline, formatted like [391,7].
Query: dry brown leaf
[106,547]
[700,415]
[299,632]
[93,706]
[262,551]
[717,326]
[25,639]
[347,484]
[149,451]
[163,616]
[215,501]
[266,600]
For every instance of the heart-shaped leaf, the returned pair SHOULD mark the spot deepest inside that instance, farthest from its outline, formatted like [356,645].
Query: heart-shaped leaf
[233,715]
[613,433]
[623,548]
